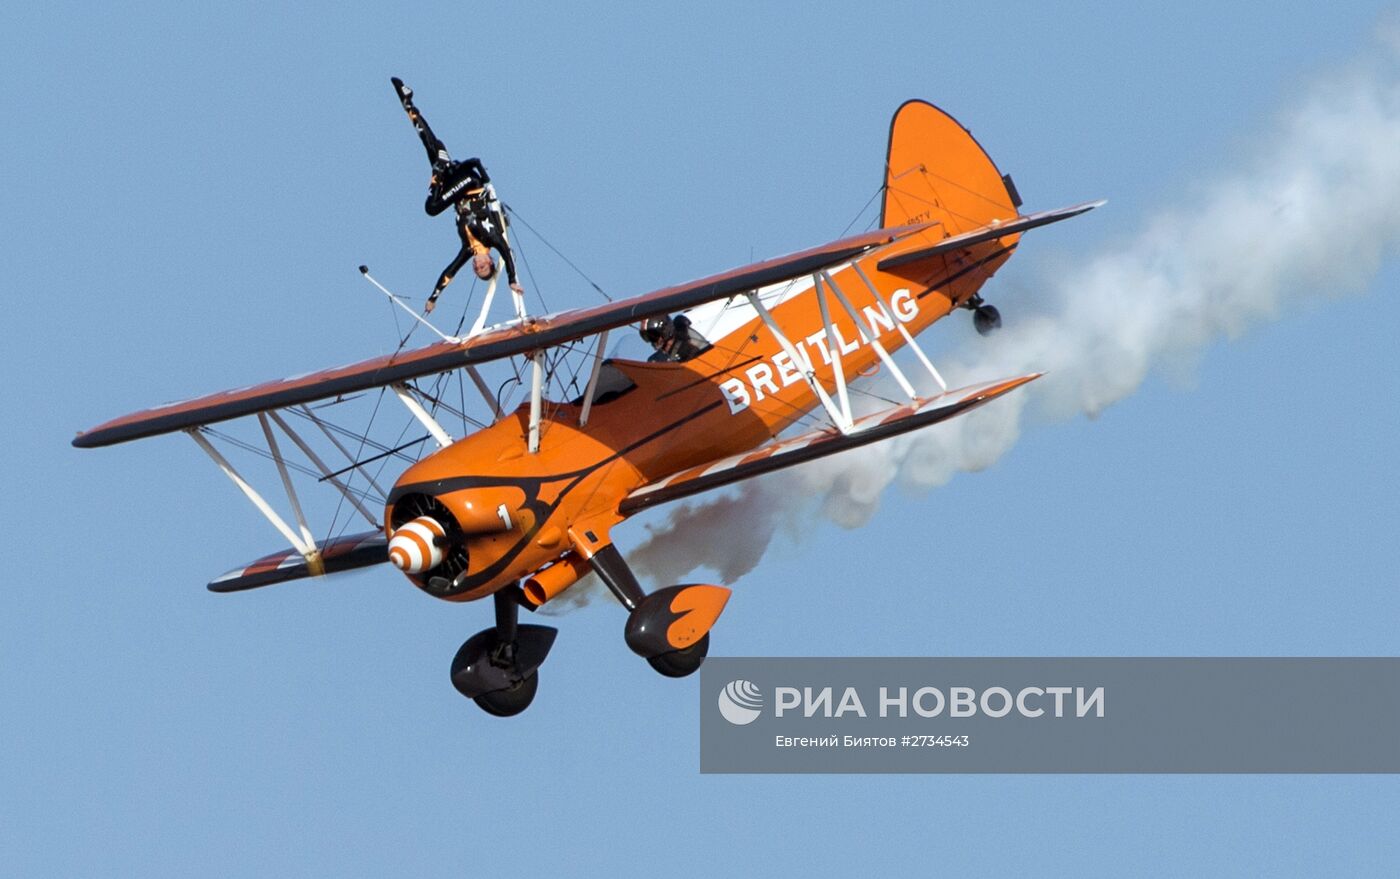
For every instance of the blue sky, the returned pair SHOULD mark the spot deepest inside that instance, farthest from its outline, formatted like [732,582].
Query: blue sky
[188,193]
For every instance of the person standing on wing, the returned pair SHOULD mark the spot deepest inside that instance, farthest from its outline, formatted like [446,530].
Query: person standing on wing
[466,187]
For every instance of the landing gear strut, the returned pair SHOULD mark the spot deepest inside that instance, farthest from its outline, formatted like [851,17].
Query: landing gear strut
[985,318]
[669,628]
[498,668]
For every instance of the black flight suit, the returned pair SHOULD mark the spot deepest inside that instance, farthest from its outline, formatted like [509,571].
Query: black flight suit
[465,186]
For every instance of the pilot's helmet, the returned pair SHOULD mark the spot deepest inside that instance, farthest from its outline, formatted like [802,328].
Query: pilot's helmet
[656,330]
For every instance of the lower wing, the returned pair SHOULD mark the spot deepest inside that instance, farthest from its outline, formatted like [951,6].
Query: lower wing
[370,548]
[818,444]
[342,554]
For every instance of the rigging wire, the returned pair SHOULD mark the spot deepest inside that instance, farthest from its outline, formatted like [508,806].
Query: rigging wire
[594,284]
[442,404]
[874,396]
[564,350]
[398,444]
[398,328]
[380,472]
[346,432]
[534,285]
[363,494]
[466,307]
[379,401]
[879,189]
[262,453]
[372,458]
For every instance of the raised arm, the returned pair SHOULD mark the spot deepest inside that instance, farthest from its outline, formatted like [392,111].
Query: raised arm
[448,273]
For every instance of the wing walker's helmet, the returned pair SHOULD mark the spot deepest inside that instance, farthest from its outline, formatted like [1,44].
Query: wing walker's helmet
[656,330]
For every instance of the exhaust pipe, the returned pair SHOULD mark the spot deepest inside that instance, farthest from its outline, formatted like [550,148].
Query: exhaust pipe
[548,582]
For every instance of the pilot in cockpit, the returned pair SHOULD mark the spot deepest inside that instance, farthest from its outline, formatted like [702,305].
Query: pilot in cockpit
[674,339]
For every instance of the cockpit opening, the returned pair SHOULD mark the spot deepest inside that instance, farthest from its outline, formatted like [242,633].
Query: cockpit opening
[674,340]
[612,383]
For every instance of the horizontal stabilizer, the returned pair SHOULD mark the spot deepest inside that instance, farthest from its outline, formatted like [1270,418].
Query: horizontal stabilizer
[342,554]
[506,340]
[988,233]
[818,444]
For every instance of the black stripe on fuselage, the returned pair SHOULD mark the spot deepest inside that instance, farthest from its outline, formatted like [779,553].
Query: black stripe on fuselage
[531,486]
[711,377]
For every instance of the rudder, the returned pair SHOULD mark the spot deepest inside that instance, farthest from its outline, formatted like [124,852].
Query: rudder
[935,170]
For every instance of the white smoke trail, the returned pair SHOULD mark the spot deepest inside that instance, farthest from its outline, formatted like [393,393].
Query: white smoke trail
[1312,214]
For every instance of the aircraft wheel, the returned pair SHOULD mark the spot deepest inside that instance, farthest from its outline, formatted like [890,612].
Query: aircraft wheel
[512,700]
[985,319]
[679,663]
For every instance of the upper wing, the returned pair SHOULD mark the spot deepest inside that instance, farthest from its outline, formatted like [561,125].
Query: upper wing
[818,444]
[988,233]
[504,341]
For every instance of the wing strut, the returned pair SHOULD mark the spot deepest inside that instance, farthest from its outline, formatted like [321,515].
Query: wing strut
[838,418]
[866,327]
[321,465]
[411,403]
[593,378]
[536,398]
[838,370]
[354,464]
[308,550]
[908,337]
[286,479]
[485,391]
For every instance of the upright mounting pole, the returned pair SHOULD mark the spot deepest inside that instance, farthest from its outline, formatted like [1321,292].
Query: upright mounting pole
[485,306]
[517,298]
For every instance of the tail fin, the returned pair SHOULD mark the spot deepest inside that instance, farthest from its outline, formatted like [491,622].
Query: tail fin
[936,171]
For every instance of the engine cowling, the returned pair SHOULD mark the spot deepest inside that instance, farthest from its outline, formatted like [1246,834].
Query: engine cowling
[435,551]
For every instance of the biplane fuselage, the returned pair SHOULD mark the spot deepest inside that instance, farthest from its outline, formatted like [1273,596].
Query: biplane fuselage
[740,393]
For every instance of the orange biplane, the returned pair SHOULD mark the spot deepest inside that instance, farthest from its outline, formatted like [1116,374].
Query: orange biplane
[523,507]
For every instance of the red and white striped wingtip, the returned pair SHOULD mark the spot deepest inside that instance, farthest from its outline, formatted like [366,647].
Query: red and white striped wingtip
[413,548]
